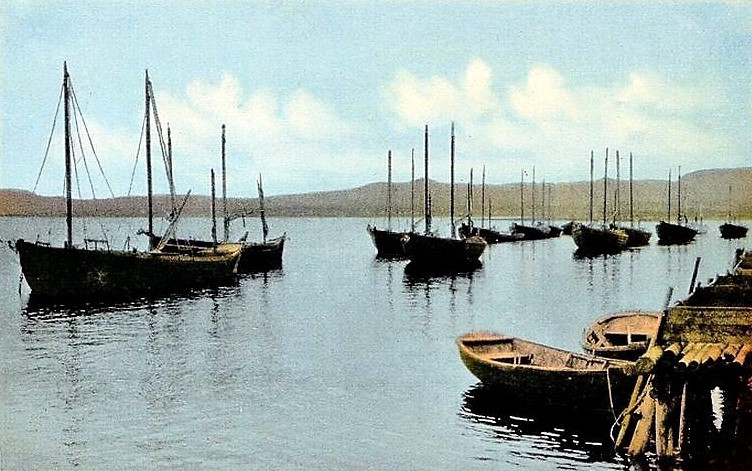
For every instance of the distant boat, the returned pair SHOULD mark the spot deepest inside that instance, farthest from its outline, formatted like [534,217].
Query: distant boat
[254,256]
[566,229]
[71,273]
[733,231]
[623,335]
[679,233]
[730,230]
[636,237]
[533,231]
[431,251]
[388,243]
[539,375]
[489,234]
[594,240]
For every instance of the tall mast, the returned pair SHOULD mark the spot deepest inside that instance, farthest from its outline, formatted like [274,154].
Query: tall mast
[669,196]
[149,189]
[225,216]
[678,196]
[412,190]
[451,182]
[262,210]
[543,200]
[483,199]
[389,192]
[617,194]
[532,201]
[470,195]
[605,187]
[631,200]
[68,163]
[426,203]
[591,187]
[213,210]
[169,171]
[522,196]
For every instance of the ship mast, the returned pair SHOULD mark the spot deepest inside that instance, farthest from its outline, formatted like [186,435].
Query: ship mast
[68,163]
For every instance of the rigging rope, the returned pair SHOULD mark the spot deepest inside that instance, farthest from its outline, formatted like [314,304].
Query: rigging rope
[96,157]
[49,141]
[138,152]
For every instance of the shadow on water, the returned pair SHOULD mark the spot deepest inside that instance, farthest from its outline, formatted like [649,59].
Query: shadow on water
[43,308]
[421,273]
[552,435]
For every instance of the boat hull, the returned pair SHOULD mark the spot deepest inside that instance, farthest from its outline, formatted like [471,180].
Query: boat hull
[544,376]
[254,256]
[489,235]
[733,231]
[388,243]
[56,273]
[671,234]
[440,252]
[531,232]
[637,237]
[260,256]
[621,335]
[594,240]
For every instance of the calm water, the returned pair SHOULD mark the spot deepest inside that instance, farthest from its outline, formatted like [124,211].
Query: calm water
[337,361]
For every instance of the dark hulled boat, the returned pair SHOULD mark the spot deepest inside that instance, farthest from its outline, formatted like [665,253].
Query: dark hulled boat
[598,240]
[491,236]
[71,273]
[447,253]
[527,232]
[679,233]
[388,243]
[674,234]
[79,274]
[637,237]
[733,231]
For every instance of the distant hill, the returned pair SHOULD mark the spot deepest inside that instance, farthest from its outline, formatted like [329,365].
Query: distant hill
[705,193]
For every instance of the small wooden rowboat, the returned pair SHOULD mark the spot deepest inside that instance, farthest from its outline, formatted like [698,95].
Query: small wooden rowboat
[540,376]
[623,335]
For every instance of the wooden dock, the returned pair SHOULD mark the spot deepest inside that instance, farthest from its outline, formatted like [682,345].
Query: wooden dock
[703,348]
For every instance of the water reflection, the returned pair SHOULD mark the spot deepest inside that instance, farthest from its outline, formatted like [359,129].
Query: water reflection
[557,439]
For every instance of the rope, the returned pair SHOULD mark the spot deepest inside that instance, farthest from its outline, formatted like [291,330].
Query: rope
[49,141]
[91,144]
[138,152]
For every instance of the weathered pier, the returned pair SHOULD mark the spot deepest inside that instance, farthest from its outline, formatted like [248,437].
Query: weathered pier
[701,355]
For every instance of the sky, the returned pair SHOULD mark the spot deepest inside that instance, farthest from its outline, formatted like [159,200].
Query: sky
[314,94]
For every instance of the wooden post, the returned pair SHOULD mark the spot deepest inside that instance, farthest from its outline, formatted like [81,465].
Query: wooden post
[641,435]
[694,275]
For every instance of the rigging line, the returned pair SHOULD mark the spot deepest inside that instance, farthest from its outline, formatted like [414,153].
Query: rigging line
[49,141]
[91,144]
[162,145]
[138,152]
[83,155]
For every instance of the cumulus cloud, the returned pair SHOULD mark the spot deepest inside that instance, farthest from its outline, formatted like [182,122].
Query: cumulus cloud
[550,120]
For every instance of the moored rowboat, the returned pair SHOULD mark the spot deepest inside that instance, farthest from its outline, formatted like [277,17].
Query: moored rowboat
[530,373]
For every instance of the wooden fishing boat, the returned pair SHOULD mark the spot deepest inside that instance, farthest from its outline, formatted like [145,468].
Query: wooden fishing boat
[636,237]
[434,251]
[78,273]
[675,233]
[491,236]
[623,335]
[595,240]
[567,228]
[527,232]
[72,273]
[733,231]
[447,253]
[531,373]
[599,240]
[388,243]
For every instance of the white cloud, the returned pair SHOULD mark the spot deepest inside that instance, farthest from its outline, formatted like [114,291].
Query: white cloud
[550,121]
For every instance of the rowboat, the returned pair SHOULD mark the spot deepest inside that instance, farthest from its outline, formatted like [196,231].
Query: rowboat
[624,335]
[526,372]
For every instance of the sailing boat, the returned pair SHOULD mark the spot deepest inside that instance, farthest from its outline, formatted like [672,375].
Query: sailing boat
[447,253]
[592,240]
[636,237]
[254,256]
[77,273]
[264,255]
[388,243]
[730,230]
[669,233]
[533,231]
[490,234]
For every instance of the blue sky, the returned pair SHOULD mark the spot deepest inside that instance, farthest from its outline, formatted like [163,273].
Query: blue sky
[314,94]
